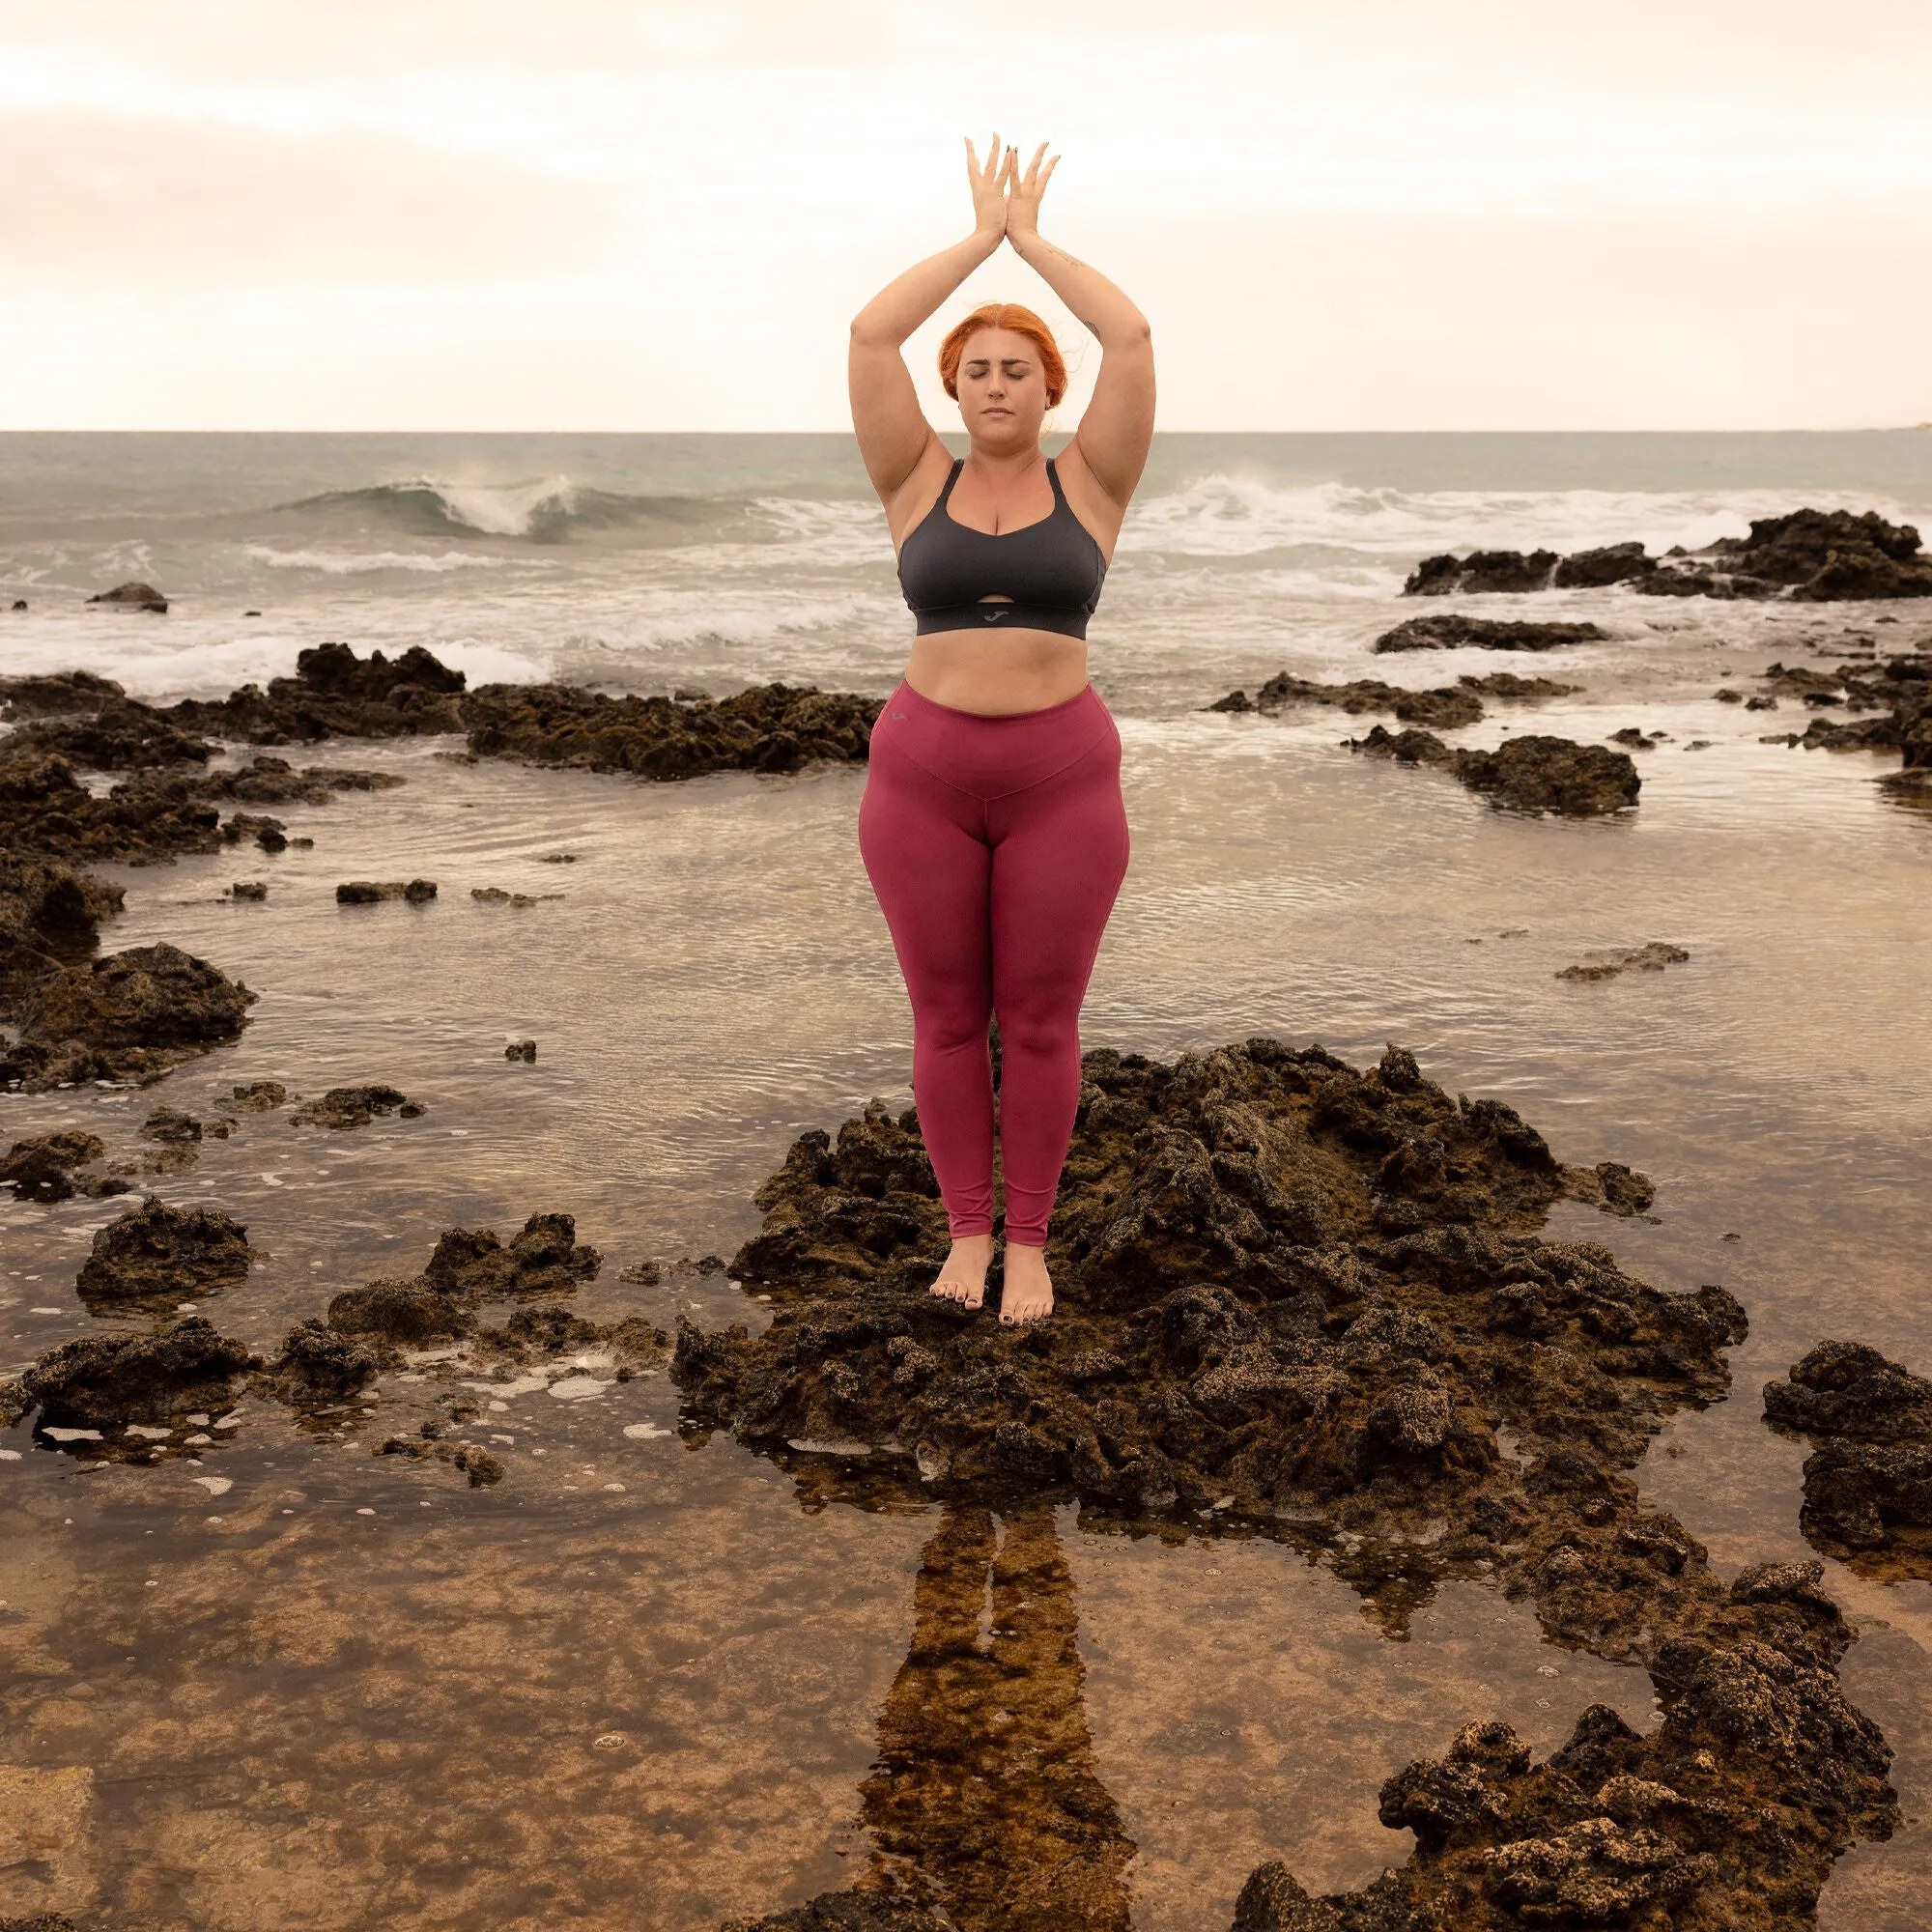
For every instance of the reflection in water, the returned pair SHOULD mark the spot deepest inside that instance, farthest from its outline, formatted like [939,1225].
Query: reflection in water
[986,1802]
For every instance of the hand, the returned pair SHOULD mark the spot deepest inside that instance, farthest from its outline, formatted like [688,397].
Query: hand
[1023,193]
[989,188]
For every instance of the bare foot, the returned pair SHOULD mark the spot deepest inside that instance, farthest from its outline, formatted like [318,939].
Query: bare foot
[963,1278]
[1028,1294]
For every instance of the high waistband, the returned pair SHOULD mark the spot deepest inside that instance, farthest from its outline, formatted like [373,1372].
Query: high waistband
[991,755]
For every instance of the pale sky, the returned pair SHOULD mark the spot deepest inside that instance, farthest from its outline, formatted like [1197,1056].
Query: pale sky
[1338,213]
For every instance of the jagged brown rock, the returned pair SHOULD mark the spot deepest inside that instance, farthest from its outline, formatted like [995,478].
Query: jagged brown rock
[1651,958]
[1868,1481]
[49,917]
[334,694]
[101,1380]
[321,1363]
[343,1107]
[1532,774]
[133,596]
[1445,708]
[1809,556]
[132,1014]
[155,1254]
[43,1169]
[772,727]
[1450,631]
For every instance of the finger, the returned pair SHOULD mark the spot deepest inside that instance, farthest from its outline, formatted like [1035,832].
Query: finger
[1047,176]
[1032,167]
[993,159]
[972,158]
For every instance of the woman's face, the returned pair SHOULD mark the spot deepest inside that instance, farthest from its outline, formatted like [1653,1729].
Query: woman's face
[1002,389]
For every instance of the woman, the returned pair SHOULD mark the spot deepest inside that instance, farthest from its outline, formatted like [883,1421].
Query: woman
[992,826]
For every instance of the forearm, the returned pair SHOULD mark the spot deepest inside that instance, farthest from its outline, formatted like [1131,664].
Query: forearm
[1093,298]
[903,303]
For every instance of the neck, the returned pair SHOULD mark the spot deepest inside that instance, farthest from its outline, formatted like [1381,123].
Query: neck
[1005,465]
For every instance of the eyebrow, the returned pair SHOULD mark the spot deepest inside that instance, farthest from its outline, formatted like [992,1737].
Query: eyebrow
[1006,362]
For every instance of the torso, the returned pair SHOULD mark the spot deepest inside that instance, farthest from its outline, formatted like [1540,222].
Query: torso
[998,672]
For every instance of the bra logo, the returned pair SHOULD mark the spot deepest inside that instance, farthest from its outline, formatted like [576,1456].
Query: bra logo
[993,616]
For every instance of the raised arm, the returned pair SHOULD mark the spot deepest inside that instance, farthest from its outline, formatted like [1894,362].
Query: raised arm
[893,433]
[1118,426]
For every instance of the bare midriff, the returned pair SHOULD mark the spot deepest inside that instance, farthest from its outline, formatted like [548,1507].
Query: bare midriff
[997,675]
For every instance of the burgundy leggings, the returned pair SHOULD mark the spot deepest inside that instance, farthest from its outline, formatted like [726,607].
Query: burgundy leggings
[996,846]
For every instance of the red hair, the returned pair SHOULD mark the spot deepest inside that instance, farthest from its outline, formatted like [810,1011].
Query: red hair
[1021,322]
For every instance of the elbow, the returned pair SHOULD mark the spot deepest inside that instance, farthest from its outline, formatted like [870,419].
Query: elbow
[868,334]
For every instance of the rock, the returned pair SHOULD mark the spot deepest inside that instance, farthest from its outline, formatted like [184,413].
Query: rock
[1507,684]
[51,694]
[132,1014]
[334,693]
[1868,1483]
[271,780]
[1482,571]
[1593,569]
[367,891]
[411,1313]
[102,1381]
[260,1096]
[496,896]
[1445,708]
[170,1125]
[524,1050]
[482,1467]
[248,888]
[155,1254]
[319,1362]
[1651,958]
[49,917]
[1302,1191]
[269,834]
[43,1169]
[343,1107]
[133,596]
[850,1911]
[543,1258]
[1450,630]
[772,727]
[1531,773]
[120,735]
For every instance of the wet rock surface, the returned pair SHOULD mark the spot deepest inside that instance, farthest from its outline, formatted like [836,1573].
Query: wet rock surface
[106,1382]
[1453,631]
[135,596]
[45,1168]
[772,727]
[1651,958]
[1531,773]
[1868,1481]
[1899,690]
[334,694]
[372,892]
[49,917]
[343,1107]
[1302,1301]
[131,1015]
[158,1256]
[1445,707]
[1809,556]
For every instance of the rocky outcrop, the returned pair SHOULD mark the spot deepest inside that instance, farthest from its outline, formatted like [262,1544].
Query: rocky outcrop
[1298,1300]
[1445,707]
[44,1168]
[157,1256]
[131,1015]
[334,694]
[103,1381]
[1899,692]
[372,892]
[49,917]
[132,596]
[343,1107]
[1809,556]
[1452,632]
[1651,958]
[1531,773]
[1868,1482]
[772,727]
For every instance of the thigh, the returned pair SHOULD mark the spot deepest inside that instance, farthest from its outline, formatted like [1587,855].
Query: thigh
[1059,856]
[931,868]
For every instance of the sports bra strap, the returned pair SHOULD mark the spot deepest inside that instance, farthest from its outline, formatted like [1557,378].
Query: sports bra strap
[1053,476]
[951,477]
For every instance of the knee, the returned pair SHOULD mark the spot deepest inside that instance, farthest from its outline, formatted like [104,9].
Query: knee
[1040,1030]
[952,1026]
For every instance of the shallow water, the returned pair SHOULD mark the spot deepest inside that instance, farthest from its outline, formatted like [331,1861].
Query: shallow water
[645,1684]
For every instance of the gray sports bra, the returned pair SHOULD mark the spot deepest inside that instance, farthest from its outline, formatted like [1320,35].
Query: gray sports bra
[1052,570]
